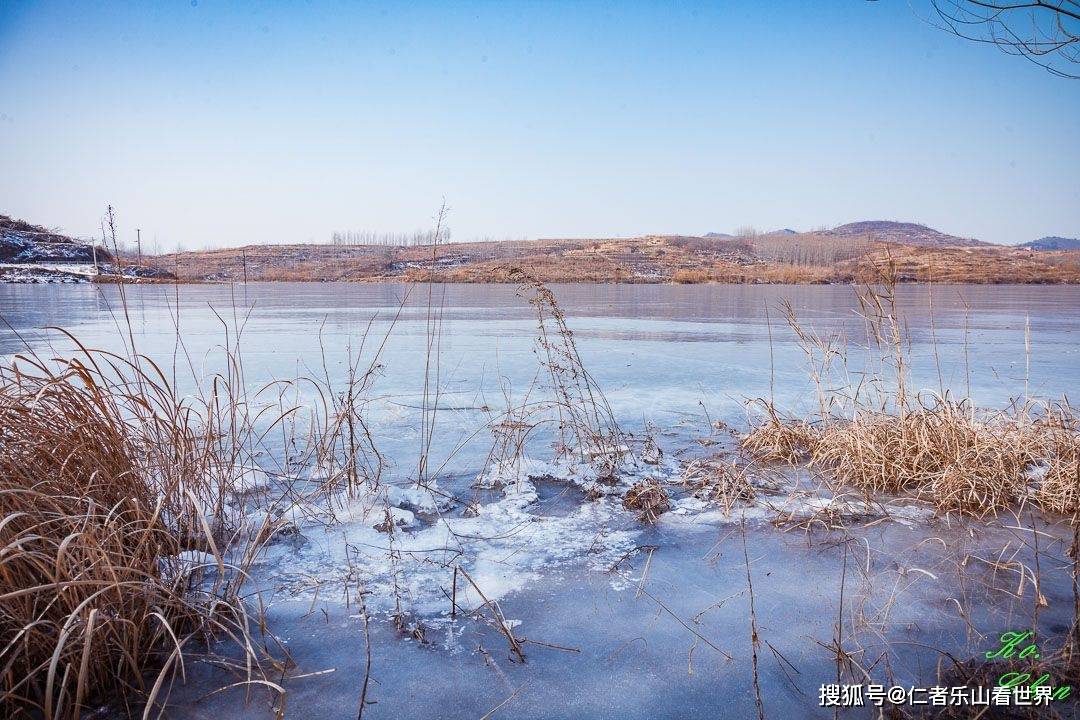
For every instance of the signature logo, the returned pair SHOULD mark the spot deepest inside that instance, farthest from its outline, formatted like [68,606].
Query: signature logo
[1021,646]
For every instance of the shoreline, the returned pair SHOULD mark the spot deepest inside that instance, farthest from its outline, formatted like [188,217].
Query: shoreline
[74,279]
[804,260]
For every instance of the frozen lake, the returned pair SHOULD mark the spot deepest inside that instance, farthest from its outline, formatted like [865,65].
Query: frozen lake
[622,619]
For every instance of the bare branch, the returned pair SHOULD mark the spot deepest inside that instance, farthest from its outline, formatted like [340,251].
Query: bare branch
[1046,32]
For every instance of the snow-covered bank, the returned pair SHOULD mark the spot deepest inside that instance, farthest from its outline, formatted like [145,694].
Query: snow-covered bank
[40,273]
[31,254]
[45,273]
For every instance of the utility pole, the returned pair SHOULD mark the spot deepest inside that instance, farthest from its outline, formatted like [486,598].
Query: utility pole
[138,243]
[104,244]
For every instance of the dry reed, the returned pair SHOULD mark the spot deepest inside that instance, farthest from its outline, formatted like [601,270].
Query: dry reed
[719,481]
[1058,488]
[882,437]
[105,495]
[780,439]
[962,460]
[586,424]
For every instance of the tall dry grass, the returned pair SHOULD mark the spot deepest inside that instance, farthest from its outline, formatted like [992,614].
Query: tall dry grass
[882,437]
[107,499]
[960,460]
[586,424]
[129,516]
[1059,485]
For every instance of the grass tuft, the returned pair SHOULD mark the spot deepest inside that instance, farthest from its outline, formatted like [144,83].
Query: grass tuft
[779,439]
[719,481]
[648,499]
[103,495]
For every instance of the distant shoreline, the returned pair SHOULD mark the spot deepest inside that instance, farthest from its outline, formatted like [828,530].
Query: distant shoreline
[855,253]
[805,259]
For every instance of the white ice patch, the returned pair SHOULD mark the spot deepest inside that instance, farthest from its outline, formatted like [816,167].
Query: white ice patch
[688,505]
[798,506]
[521,468]
[1036,472]
[568,469]
[249,479]
[419,499]
[188,562]
[691,513]
[504,547]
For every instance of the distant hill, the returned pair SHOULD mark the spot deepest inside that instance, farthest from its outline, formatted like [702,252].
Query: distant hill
[903,233]
[1053,242]
[717,235]
[802,258]
[21,242]
[852,253]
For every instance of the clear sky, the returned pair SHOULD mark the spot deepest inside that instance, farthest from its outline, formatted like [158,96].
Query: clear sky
[212,123]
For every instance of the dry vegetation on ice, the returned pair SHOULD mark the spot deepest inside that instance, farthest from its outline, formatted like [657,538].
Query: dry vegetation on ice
[111,483]
[884,438]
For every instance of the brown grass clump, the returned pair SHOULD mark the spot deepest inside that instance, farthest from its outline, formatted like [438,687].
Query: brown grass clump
[648,499]
[1059,487]
[98,485]
[780,440]
[689,277]
[1059,490]
[880,437]
[719,481]
[960,460]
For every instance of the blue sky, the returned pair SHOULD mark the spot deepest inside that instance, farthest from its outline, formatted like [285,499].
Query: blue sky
[210,124]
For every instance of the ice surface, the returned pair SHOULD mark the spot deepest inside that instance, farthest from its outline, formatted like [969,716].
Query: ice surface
[503,546]
[584,573]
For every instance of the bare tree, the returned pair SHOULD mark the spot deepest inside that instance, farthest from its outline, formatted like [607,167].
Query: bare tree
[367,237]
[1046,32]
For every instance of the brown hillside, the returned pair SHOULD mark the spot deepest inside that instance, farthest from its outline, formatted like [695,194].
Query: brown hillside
[802,258]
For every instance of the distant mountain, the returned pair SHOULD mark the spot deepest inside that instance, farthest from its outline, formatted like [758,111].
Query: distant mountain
[902,233]
[21,242]
[716,235]
[1053,242]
